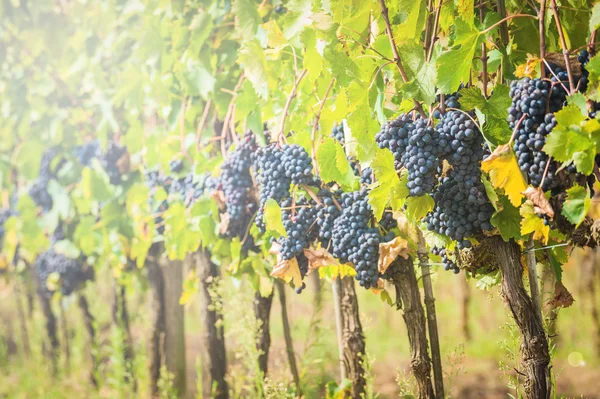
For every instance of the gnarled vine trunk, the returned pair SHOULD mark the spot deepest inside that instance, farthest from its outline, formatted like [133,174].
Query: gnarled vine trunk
[213,339]
[88,322]
[534,346]
[408,298]
[262,311]
[287,334]
[174,352]
[156,322]
[120,317]
[353,353]
[52,345]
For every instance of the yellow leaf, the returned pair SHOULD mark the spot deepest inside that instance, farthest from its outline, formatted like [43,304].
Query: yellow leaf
[288,270]
[505,173]
[389,251]
[531,223]
[529,68]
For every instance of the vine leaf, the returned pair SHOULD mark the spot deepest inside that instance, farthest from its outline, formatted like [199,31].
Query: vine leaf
[454,66]
[288,270]
[489,190]
[389,251]
[539,200]
[494,125]
[529,69]
[273,219]
[505,173]
[573,139]
[595,18]
[422,74]
[246,17]
[389,189]
[507,219]
[333,272]
[577,204]
[531,223]
[417,207]
[319,258]
[252,58]
[333,164]
[562,297]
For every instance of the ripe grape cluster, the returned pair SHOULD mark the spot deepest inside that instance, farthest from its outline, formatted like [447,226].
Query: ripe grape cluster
[115,162]
[338,133]
[87,152]
[415,147]
[354,240]
[236,182]
[531,99]
[48,169]
[462,208]
[449,265]
[299,220]
[73,272]
[277,168]
[327,213]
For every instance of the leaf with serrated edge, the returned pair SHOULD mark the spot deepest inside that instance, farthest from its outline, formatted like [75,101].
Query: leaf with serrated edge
[505,173]
[576,205]
[531,223]
[288,270]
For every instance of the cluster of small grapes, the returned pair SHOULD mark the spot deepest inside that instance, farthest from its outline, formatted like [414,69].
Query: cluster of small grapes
[354,240]
[447,262]
[327,213]
[176,165]
[5,213]
[303,266]
[450,102]
[415,147]
[73,273]
[277,168]
[115,162]
[388,222]
[236,182]
[87,152]
[583,58]
[532,98]
[299,220]
[338,133]
[462,208]
[39,189]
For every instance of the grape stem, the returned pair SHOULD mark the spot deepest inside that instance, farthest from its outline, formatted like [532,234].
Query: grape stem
[563,43]
[542,30]
[311,194]
[436,23]
[317,119]
[397,59]
[483,32]
[484,57]
[545,171]
[228,115]
[286,108]
[553,74]
[202,123]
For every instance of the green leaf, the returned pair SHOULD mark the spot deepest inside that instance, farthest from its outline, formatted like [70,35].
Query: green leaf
[313,61]
[507,219]
[247,17]
[569,138]
[422,74]
[490,191]
[67,248]
[418,207]
[495,126]
[333,165]
[454,66]
[595,17]
[379,197]
[273,219]
[577,204]
[578,100]
[558,256]
[252,59]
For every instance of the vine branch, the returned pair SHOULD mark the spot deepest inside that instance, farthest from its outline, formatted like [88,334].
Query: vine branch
[542,30]
[436,24]
[286,109]
[563,44]
[318,117]
[397,59]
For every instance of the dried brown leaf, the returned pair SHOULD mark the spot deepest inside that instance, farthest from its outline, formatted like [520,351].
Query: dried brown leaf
[540,203]
[288,270]
[389,251]
[319,258]
[562,297]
